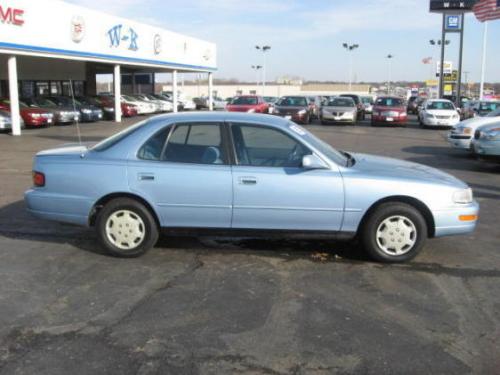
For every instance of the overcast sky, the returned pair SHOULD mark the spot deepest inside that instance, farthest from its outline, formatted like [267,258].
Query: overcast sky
[307,35]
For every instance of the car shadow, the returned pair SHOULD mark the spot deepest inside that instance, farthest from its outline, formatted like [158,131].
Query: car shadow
[16,223]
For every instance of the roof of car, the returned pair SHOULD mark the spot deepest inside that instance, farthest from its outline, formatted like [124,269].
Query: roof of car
[222,117]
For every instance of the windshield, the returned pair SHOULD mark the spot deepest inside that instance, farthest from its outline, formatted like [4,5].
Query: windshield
[489,106]
[389,102]
[323,147]
[270,99]
[44,102]
[114,139]
[494,113]
[367,100]
[441,105]
[245,100]
[341,102]
[293,101]
[353,97]
[129,98]
[67,101]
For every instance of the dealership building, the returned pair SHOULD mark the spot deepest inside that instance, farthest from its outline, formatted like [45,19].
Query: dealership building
[49,47]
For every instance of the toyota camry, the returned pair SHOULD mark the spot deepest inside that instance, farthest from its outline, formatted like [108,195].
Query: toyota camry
[245,174]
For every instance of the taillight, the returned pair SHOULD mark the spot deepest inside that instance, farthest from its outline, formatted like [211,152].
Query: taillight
[38,179]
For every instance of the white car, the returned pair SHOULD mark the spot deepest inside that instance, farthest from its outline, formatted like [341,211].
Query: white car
[462,134]
[143,108]
[162,105]
[185,103]
[438,112]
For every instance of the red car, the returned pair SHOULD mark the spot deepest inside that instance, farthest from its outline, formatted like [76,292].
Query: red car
[128,110]
[31,116]
[389,110]
[248,103]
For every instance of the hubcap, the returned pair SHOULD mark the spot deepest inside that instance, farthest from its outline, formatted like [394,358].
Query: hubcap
[125,230]
[396,235]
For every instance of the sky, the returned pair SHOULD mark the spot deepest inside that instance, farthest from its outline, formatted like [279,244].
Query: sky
[306,36]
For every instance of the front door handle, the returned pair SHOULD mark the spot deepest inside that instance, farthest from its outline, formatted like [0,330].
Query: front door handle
[146,177]
[248,180]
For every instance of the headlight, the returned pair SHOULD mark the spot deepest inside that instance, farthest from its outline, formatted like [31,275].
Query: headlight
[86,111]
[403,114]
[429,115]
[252,110]
[276,110]
[109,109]
[463,196]
[35,115]
[302,112]
[455,117]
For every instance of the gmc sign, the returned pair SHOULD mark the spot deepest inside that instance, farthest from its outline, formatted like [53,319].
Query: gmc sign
[11,16]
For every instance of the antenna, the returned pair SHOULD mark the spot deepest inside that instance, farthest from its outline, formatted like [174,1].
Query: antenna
[74,109]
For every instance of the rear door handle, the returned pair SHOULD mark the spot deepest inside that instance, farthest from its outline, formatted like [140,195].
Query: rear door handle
[146,176]
[248,181]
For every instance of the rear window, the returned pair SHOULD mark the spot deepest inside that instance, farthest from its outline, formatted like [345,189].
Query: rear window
[118,137]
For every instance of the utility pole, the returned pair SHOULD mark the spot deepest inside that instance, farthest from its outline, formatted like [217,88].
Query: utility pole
[389,57]
[264,50]
[257,68]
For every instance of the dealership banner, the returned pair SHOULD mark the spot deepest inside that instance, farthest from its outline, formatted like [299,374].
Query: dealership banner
[53,27]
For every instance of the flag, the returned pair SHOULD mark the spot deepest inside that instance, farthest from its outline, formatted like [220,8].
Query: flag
[487,10]
[428,60]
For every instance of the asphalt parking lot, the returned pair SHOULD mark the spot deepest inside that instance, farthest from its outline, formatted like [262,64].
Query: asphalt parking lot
[226,306]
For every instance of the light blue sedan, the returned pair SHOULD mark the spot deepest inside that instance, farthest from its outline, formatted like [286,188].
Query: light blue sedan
[244,174]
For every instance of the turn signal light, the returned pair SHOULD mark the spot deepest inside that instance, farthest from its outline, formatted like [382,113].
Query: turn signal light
[468,217]
[38,179]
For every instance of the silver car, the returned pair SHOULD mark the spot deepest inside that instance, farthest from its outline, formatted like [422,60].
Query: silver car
[5,121]
[486,143]
[340,110]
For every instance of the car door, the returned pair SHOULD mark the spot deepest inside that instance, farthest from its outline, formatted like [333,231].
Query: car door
[183,170]
[273,191]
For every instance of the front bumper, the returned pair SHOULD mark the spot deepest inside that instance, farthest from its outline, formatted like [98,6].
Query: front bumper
[67,118]
[396,120]
[5,126]
[448,222]
[428,121]
[293,117]
[92,117]
[460,141]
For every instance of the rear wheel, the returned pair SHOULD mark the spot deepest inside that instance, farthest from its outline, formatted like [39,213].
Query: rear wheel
[126,228]
[394,232]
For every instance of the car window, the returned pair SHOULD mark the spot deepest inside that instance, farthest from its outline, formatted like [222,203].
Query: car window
[153,148]
[441,105]
[261,146]
[245,100]
[195,144]
[118,137]
[341,102]
[389,102]
[489,106]
[293,101]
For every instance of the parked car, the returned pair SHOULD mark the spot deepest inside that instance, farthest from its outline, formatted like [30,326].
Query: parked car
[248,103]
[389,110]
[32,117]
[217,103]
[143,108]
[368,104]
[269,176]
[107,108]
[162,105]
[108,102]
[270,99]
[339,110]
[462,134]
[359,104]
[5,121]
[315,104]
[438,113]
[295,108]
[479,108]
[88,113]
[486,143]
[62,115]
[184,103]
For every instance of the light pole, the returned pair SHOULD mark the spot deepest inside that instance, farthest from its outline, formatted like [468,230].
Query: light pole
[264,49]
[389,57]
[257,68]
[441,43]
[350,48]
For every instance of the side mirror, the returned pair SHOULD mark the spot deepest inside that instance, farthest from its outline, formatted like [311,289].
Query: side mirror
[313,162]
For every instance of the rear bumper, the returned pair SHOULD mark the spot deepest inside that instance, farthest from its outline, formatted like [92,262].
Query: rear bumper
[65,209]
[448,221]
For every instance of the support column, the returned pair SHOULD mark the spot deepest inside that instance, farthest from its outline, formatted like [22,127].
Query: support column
[134,84]
[118,93]
[174,90]
[14,96]
[210,92]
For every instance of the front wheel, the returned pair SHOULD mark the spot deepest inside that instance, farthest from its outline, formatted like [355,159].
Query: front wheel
[126,228]
[394,233]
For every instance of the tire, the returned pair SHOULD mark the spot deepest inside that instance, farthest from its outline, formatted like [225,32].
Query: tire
[142,225]
[412,230]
